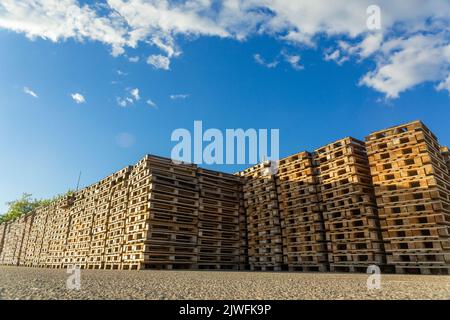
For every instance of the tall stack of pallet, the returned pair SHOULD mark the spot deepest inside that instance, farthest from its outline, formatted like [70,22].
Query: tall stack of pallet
[72,253]
[263,218]
[243,234]
[36,237]
[99,217]
[6,255]
[173,226]
[2,238]
[446,155]
[219,237]
[58,235]
[118,210]
[413,195]
[303,230]
[349,207]
[26,238]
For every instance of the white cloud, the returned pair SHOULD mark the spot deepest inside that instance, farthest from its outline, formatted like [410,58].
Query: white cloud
[134,59]
[78,98]
[262,62]
[121,73]
[30,92]
[124,24]
[293,60]
[151,103]
[159,61]
[444,85]
[336,56]
[135,94]
[406,63]
[179,96]
[124,102]
[129,99]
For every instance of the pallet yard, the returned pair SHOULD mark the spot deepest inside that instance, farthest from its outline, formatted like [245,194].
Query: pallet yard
[341,208]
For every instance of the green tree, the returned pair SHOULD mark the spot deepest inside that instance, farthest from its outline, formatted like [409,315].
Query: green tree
[24,205]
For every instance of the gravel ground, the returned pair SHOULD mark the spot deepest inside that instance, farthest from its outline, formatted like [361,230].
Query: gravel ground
[33,283]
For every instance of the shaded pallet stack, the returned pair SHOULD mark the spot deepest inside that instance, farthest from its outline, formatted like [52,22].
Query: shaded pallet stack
[243,247]
[173,226]
[59,228]
[109,223]
[36,237]
[413,195]
[2,238]
[13,241]
[219,236]
[26,238]
[349,208]
[302,224]
[47,234]
[263,218]
[81,210]
[161,226]
[118,210]
[7,253]
[95,249]
[446,155]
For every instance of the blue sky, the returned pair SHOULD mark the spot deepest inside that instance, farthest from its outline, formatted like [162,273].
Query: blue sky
[219,72]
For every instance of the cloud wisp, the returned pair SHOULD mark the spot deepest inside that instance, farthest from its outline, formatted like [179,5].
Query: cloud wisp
[78,98]
[30,92]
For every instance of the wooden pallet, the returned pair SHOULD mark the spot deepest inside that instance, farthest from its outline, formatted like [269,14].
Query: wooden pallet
[411,177]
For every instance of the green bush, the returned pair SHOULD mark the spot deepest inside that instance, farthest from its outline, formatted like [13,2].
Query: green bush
[26,204]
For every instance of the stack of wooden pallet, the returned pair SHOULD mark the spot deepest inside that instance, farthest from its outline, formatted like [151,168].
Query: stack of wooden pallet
[171,241]
[96,253]
[71,254]
[58,234]
[302,224]
[219,237]
[263,218]
[118,210]
[2,238]
[243,242]
[7,251]
[161,226]
[446,155]
[36,237]
[26,238]
[348,205]
[14,234]
[412,188]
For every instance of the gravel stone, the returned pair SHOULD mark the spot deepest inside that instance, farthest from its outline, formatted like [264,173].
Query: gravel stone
[35,283]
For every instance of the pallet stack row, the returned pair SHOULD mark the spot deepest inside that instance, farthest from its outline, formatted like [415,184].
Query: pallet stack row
[412,187]
[263,217]
[36,237]
[161,227]
[302,224]
[2,236]
[80,213]
[59,232]
[349,206]
[26,238]
[446,155]
[115,223]
[344,207]
[219,236]
[13,239]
